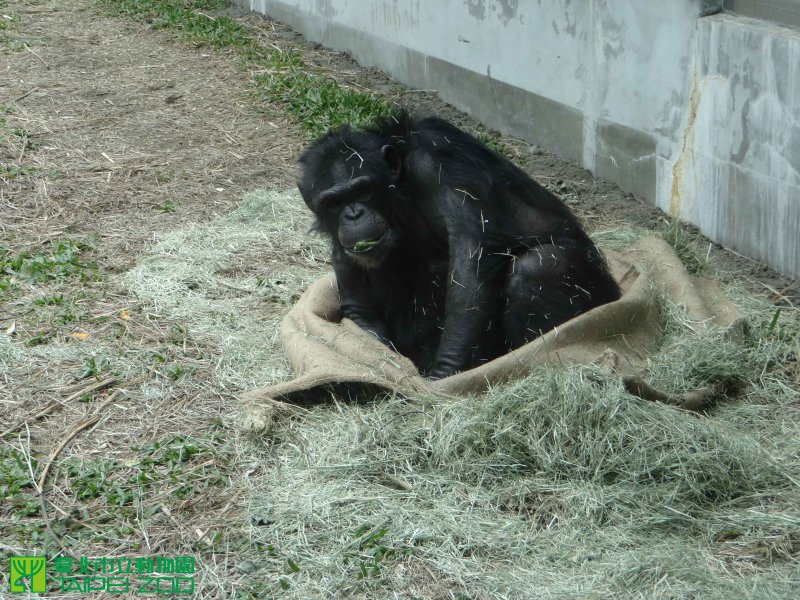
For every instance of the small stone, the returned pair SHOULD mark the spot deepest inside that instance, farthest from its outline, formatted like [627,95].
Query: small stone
[247,566]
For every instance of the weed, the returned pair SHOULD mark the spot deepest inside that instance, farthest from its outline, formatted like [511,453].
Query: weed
[123,485]
[183,17]
[25,136]
[40,339]
[177,372]
[94,479]
[319,102]
[7,23]
[167,207]
[291,566]
[62,262]
[168,460]
[398,90]
[14,473]
[211,4]
[15,482]
[316,100]
[8,287]
[493,141]
[158,357]
[178,334]
[173,452]
[9,172]
[28,143]
[684,242]
[164,176]
[368,550]
[50,300]
[66,316]
[94,366]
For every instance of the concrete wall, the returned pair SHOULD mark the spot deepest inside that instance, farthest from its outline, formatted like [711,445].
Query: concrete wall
[738,175]
[695,111]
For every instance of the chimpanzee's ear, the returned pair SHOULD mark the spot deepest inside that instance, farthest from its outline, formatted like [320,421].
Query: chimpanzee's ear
[391,158]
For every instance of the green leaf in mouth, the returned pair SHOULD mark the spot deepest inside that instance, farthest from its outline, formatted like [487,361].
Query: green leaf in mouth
[365,245]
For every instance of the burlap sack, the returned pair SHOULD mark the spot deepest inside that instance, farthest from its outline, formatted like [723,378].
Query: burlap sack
[330,354]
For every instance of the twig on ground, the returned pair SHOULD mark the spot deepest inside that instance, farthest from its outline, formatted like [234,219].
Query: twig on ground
[46,66]
[82,426]
[46,410]
[53,404]
[26,94]
[57,450]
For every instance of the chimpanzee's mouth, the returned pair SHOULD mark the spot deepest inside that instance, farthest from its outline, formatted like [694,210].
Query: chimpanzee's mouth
[364,246]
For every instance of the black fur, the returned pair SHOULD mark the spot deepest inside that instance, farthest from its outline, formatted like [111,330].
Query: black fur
[443,248]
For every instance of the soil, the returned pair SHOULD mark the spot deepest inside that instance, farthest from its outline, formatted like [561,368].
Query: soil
[130,133]
[114,132]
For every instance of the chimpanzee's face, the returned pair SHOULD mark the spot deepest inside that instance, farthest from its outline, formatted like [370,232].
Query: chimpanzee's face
[352,197]
[361,226]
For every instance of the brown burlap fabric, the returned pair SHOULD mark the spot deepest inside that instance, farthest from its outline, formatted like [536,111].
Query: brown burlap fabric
[331,353]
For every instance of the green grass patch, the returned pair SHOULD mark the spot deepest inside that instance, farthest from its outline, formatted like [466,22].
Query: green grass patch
[12,172]
[316,100]
[494,141]
[684,241]
[112,491]
[167,206]
[14,472]
[187,18]
[65,260]
[9,41]
[50,300]
[164,176]
[94,367]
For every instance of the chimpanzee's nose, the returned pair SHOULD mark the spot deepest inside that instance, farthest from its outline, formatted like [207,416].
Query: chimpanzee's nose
[354,212]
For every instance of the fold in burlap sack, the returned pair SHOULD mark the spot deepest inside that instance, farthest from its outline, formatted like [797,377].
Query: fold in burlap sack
[329,352]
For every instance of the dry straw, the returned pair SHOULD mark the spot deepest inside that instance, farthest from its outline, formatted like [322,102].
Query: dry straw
[233,279]
[561,485]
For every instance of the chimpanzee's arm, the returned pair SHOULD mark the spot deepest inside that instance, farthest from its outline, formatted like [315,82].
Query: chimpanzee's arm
[472,297]
[356,299]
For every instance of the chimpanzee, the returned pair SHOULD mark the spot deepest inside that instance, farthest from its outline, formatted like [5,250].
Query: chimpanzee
[443,248]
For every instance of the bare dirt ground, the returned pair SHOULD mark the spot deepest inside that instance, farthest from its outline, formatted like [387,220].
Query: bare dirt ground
[111,134]
[122,121]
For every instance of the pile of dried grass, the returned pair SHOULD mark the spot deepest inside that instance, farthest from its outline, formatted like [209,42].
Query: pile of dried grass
[233,279]
[561,485]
